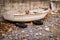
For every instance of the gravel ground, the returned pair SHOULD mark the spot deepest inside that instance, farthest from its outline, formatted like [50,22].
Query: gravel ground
[50,30]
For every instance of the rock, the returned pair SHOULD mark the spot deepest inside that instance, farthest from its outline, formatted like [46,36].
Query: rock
[58,20]
[36,34]
[37,22]
[40,33]
[47,29]
[23,31]
[10,29]
[22,25]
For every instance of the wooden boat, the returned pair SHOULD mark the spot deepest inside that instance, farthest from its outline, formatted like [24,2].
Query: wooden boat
[27,17]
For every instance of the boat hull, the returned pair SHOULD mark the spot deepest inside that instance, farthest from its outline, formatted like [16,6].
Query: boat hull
[25,18]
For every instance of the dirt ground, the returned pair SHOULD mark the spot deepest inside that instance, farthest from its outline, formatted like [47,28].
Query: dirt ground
[50,30]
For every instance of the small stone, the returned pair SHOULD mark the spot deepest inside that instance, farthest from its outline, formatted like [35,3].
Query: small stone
[51,36]
[27,35]
[40,33]
[39,28]
[43,34]
[10,30]
[57,38]
[47,29]
[36,34]
[22,25]
[23,31]
[31,31]
[3,34]
[16,34]
[37,22]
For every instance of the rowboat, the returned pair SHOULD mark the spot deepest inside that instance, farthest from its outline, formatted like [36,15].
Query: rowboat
[35,14]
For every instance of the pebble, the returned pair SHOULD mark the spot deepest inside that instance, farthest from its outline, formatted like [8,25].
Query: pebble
[57,38]
[39,28]
[10,30]
[37,22]
[40,33]
[44,35]
[52,37]
[58,20]
[47,29]
[22,25]
[3,34]
[31,31]
[23,31]
[27,35]
[36,34]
